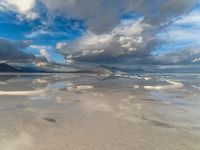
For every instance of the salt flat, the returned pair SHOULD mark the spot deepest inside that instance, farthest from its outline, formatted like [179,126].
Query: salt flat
[80,112]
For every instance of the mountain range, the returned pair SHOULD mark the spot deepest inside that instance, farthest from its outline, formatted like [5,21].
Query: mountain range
[101,71]
[5,68]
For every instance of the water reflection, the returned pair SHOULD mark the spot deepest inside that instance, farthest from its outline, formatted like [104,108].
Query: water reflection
[60,103]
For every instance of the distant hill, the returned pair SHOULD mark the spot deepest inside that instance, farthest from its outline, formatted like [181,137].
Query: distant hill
[139,70]
[8,68]
[104,72]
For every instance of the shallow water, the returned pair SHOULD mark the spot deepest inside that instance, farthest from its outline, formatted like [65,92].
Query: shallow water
[80,111]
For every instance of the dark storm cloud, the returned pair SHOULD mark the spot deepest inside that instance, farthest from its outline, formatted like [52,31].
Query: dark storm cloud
[11,51]
[183,56]
[103,15]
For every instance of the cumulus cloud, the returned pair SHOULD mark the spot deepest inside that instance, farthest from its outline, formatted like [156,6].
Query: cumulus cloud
[131,38]
[109,39]
[43,50]
[24,8]
[45,54]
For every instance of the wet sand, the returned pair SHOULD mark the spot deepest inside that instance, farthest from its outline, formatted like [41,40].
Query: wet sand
[82,113]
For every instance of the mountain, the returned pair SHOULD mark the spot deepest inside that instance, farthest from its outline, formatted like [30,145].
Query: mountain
[31,70]
[12,69]
[104,72]
[139,70]
[8,68]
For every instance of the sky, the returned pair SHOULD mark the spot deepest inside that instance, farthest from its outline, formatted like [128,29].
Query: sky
[49,33]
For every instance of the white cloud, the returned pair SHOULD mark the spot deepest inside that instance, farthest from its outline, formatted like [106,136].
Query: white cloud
[32,15]
[180,35]
[37,33]
[183,29]
[196,60]
[45,53]
[41,64]
[25,8]
[22,6]
[61,45]
[43,50]
[192,18]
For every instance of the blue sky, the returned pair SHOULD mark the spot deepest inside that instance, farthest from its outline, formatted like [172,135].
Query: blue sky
[99,31]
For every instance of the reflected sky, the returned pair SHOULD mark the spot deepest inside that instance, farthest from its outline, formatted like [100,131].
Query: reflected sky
[57,103]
